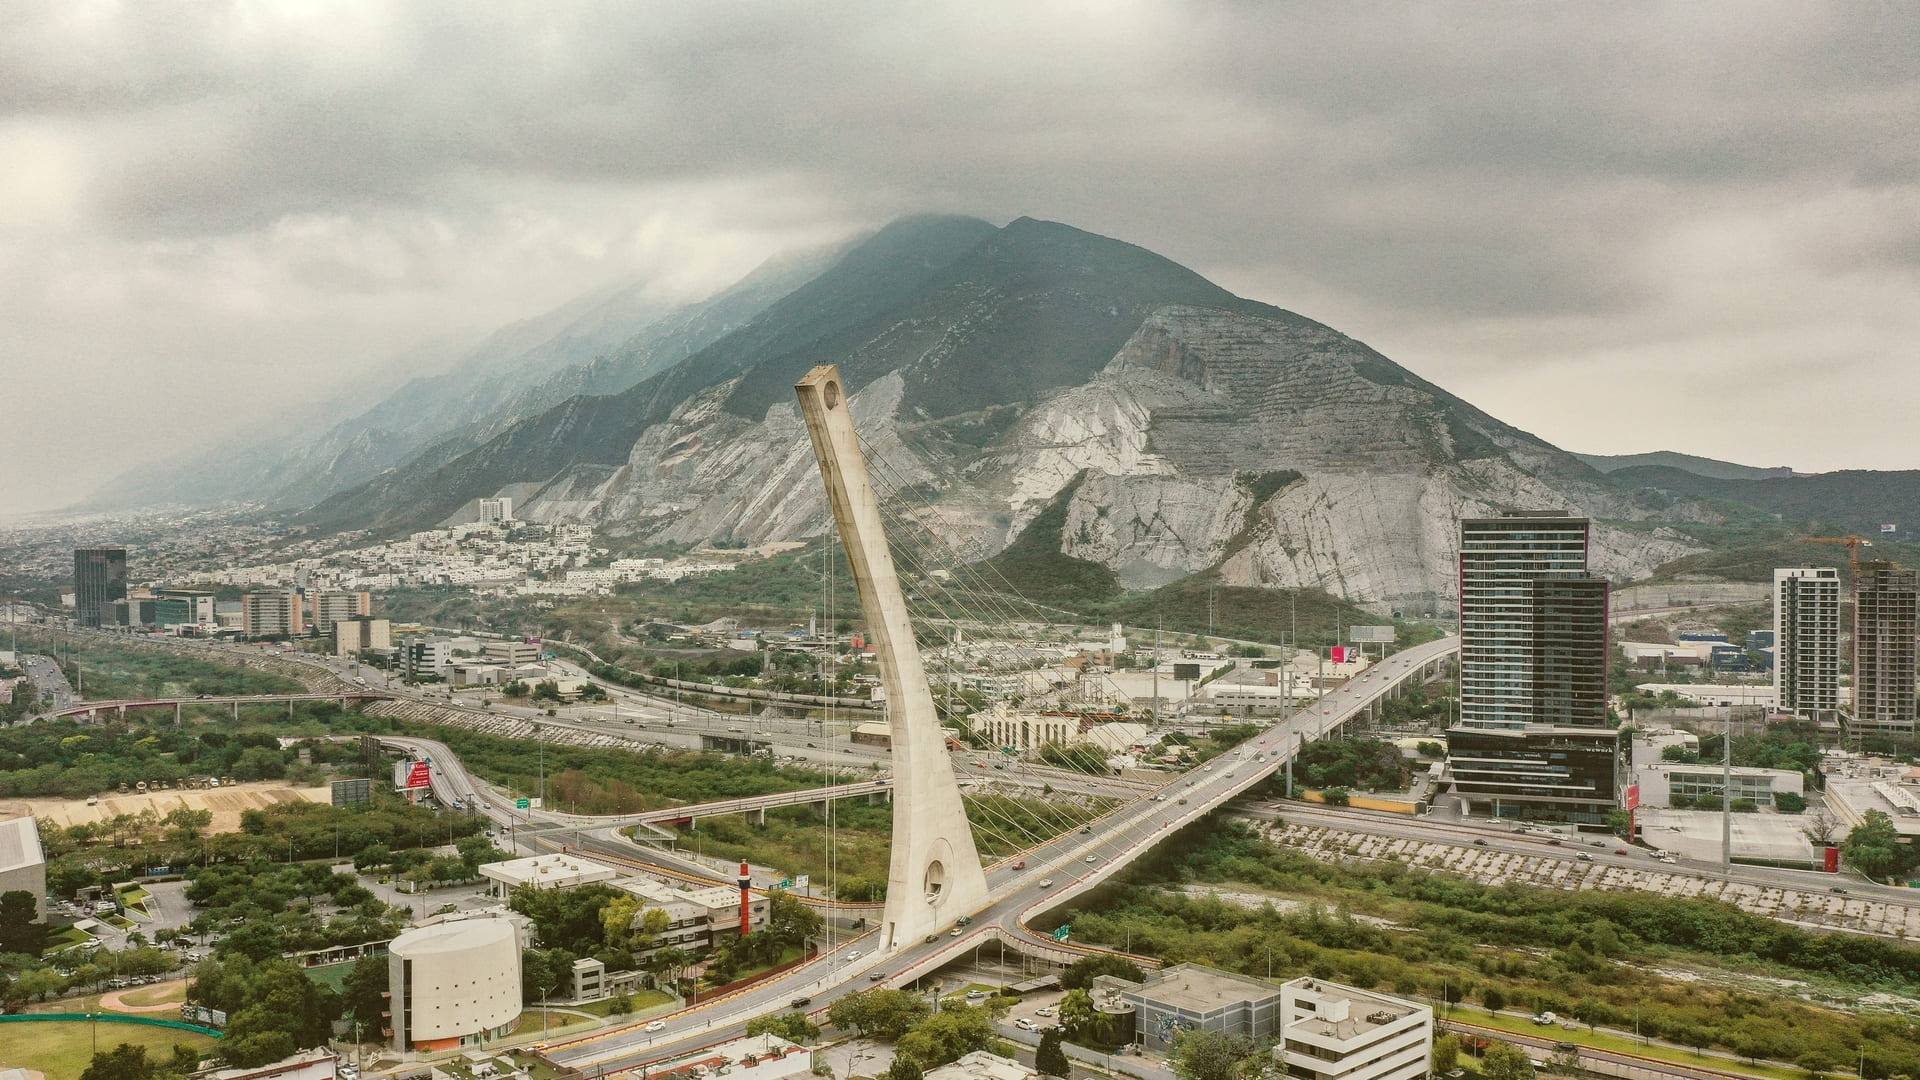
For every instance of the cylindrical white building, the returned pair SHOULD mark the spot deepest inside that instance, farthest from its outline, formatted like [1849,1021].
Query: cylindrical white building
[454,984]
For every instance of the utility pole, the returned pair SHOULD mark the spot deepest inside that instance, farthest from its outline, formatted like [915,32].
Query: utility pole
[1726,797]
[1156,669]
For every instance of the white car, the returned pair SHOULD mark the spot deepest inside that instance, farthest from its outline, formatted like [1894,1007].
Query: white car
[657,1025]
[854,955]
[1024,1024]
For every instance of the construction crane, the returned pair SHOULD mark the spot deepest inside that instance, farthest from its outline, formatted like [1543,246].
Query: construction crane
[1854,544]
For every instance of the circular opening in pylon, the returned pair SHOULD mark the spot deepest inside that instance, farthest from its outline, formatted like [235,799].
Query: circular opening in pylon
[833,393]
[936,880]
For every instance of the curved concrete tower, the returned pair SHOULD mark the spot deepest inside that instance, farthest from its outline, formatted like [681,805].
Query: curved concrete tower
[935,876]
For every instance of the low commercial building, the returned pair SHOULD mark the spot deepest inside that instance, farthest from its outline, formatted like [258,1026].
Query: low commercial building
[511,653]
[544,872]
[1334,1032]
[1660,783]
[697,918]
[980,1065]
[454,984]
[1190,997]
[421,657]
[1537,772]
[761,1057]
[23,865]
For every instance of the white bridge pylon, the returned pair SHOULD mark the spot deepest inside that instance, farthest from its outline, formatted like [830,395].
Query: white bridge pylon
[935,874]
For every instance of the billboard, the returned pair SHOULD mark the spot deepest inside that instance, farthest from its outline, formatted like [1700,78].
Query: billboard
[352,792]
[1633,796]
[1189,672]
[419,774]
[1372,635]
[1340,654]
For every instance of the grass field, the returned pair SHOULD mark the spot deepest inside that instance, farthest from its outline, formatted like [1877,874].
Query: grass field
[332,976]
[1602,1039]
[62,1050]
[165,993]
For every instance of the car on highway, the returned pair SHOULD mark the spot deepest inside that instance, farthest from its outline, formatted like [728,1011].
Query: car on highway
[876,976]
[1584,857]
[1020,864]
[1084,829]
[1091,859]
[657,1025]
[854,955]
[800,1002]
[1837,889]
[1046,883]
[1479,842]
[1621,851]
[955,932]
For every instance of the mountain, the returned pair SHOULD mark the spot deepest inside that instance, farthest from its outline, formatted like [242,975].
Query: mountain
[1698,466]
[602,342]
[1164,426]
[1855,500]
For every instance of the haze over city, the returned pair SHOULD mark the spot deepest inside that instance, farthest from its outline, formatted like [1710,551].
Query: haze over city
[1689,227]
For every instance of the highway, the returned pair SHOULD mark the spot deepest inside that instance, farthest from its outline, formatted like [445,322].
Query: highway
[1056,871]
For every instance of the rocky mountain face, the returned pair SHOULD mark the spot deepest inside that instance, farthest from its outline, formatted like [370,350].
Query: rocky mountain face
[993,368]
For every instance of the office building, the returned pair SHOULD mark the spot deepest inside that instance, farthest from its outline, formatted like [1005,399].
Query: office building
[1533,623]
[512,652]
[272,614]
[183,607]
[544,872]
[1669,784]
[330,608]
[454,984]
[1334,1032]
[698,917]
[1886,620]
[424,657]
[351,637]
[1806,625]
[1539,773]
[129,611]
[99,578]
[1190,997]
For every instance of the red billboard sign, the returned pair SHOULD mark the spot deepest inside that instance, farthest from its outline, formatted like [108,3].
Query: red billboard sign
[1633,796]
[420,775]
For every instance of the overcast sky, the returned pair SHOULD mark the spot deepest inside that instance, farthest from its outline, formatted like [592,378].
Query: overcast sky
[1623,227]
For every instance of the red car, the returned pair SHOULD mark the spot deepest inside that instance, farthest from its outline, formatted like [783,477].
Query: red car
[1021,865]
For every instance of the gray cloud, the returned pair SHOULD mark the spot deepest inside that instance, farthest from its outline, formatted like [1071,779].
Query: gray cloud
[258,202]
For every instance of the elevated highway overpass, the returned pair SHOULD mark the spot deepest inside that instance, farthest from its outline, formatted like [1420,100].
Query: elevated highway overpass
[1055,873]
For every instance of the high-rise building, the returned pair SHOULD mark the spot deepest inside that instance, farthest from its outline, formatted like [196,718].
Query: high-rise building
[272,614]
[496,511]
[351,637]
[1886,621]
[99,578]
[1533,623]
[332,607]
[1806,622]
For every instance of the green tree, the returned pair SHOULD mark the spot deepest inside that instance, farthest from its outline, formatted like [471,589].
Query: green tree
[1076,1011]
[123,1062]
[1209,1055]
[885,1014]
[363,992]
[1080,974]
[1446,1054]
[946,1036]
[1505,1061]
[20,930]
[794,1026]
[1051,1058]
[1493,998]
[902,1068]
[1873,847]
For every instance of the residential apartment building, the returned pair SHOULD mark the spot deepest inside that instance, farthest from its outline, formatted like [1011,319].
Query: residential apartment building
[330,608]
[1334,1032]
[1806,623]
[1886,621]
[99,578]
[351,637]
[272,614]
[1533,623]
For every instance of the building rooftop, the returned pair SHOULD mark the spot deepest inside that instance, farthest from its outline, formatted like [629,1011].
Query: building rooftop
[980,1065]
[548,872]
[1196,989]
[1342,1012]
[20,844]
[453,936]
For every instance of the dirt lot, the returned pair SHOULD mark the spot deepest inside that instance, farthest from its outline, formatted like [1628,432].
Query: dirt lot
[225,802]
